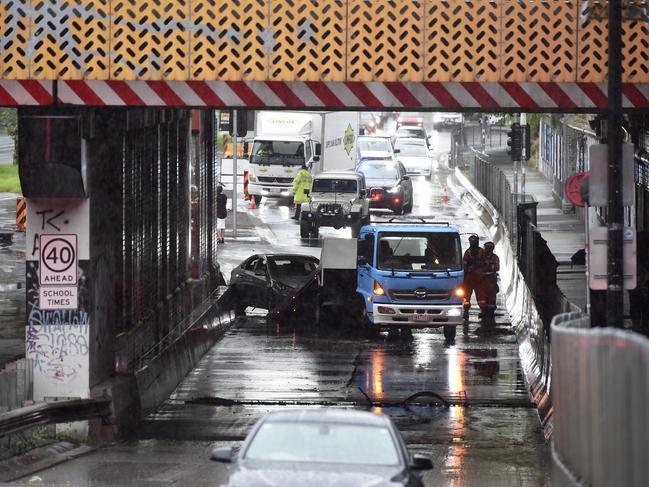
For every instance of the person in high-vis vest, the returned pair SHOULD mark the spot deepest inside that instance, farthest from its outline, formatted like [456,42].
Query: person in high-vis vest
[473,262]
[302,182]
[488,289]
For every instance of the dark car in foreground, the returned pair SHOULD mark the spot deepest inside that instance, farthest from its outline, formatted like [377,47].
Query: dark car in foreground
[388,184]
[323,447]
[267,280]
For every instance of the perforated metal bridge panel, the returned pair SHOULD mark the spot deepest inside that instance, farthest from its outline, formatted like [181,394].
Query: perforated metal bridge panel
[313,40]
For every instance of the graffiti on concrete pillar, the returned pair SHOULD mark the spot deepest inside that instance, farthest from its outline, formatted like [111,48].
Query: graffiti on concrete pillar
[58,340]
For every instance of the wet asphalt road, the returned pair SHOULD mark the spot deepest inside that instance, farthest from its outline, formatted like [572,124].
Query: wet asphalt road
[490,435]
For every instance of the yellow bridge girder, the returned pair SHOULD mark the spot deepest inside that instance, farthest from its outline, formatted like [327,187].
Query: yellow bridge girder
[313,40]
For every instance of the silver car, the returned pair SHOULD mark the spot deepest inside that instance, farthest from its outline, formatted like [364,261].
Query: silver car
[323,447]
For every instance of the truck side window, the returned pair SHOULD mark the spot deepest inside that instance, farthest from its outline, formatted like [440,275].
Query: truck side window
[366,248]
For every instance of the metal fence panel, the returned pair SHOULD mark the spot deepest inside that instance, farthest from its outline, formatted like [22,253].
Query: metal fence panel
[600,393]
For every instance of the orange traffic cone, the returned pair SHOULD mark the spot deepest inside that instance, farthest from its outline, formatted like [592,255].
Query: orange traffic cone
[445,195]
[253,206]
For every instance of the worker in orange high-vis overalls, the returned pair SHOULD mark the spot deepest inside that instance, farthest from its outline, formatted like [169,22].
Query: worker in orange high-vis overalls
[488,288]
[473,261]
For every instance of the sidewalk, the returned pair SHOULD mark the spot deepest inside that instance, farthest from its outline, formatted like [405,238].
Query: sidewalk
[563,232]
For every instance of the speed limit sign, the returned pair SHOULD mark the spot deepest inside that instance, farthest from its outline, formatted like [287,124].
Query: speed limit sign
[58,261]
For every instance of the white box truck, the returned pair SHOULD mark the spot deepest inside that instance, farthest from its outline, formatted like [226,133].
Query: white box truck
[284,141]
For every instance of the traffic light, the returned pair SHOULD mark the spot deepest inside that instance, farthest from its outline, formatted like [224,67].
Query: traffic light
[514,142]
[242,123]
[526,142]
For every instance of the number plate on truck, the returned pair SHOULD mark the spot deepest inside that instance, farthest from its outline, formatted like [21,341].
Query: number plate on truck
[421,318]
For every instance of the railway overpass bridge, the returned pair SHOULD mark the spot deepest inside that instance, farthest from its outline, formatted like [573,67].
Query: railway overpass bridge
[118,147]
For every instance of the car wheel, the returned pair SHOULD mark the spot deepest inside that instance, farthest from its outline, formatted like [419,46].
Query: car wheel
[305,228]
[315,230]
[449,332]
[408,207]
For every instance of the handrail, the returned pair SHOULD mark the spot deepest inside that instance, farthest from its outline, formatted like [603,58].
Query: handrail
[53,412]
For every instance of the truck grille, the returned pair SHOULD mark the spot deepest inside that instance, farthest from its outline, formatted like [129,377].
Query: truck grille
[266,179]
[420,294]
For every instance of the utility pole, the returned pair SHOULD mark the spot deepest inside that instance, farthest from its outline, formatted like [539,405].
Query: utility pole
[615,214]
[235,148]
[525,157]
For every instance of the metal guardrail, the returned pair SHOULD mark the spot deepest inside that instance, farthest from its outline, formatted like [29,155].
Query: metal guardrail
[53,412]
[600,386]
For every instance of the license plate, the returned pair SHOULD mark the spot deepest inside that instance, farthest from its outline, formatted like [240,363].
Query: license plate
[421,318]
[275,190]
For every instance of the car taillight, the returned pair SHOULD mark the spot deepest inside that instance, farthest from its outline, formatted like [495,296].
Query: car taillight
[396,200]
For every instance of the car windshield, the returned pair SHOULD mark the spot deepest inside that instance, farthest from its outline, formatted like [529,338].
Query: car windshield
[378,145]
[419,251]
[340,443]
[412,150]
[379,171]
[334,186]
[416,132]
[290,268]
[269,151]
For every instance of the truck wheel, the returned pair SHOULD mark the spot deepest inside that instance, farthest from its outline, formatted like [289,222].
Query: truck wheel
[305,228]
[257,198]
[449,332]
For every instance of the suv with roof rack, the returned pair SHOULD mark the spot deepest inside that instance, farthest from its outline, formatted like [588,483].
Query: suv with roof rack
[336,199]
[410,275]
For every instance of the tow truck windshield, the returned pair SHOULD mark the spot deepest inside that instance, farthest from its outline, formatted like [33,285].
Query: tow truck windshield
[275,151]
[333,186]
[419,252]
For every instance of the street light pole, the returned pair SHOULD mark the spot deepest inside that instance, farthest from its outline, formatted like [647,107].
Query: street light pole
[234,172]
[615,214]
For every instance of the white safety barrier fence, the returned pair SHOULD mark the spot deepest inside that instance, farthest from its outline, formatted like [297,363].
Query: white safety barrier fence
[600,393]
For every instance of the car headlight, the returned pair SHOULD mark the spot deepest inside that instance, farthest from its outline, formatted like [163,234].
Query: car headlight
[346,207]
[394,190]
[252,177]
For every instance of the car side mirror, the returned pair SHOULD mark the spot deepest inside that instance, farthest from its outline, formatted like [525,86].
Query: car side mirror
[396,151]
[363,193]
[307,192]
[316,158]
[361,260]
[318,148]
[421,462]
[222,454]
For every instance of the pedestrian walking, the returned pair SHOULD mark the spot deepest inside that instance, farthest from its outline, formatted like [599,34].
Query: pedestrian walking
[487,291]
[473,263]
[221,213]
[301,183]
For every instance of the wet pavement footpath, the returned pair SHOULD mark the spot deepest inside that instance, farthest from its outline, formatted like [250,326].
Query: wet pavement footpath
[483,430]
[12,282]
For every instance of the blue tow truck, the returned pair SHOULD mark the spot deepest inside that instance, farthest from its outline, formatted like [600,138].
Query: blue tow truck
[400,274]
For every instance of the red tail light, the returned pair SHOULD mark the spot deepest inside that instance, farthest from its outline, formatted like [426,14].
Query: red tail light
[397,200]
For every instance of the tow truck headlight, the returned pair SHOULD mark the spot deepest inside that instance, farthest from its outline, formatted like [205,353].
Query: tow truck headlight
[459,292]
[378,289]
[454,312]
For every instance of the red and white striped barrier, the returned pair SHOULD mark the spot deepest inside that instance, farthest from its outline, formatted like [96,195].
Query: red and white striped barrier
[321,95]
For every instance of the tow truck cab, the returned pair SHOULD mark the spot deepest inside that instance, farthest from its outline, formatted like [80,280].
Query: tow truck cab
[410,274]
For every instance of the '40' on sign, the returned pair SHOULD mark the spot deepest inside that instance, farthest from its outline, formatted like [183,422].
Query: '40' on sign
[58,262]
